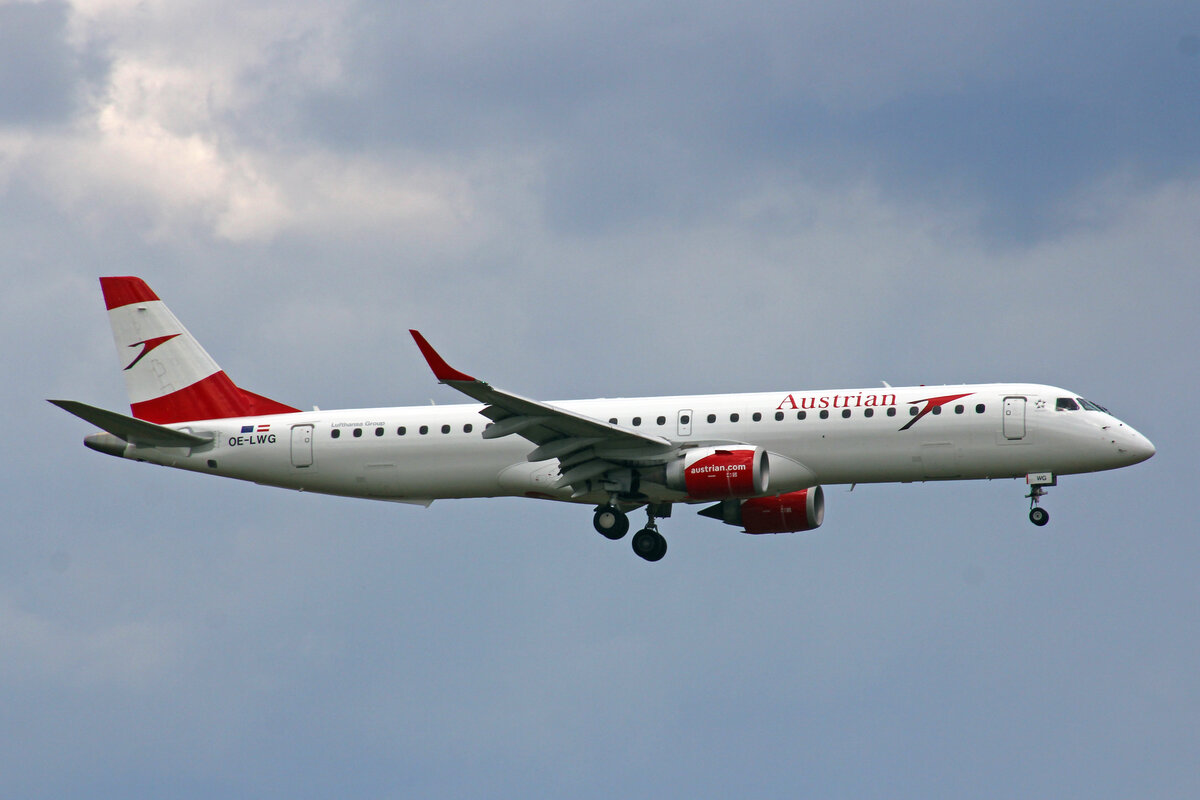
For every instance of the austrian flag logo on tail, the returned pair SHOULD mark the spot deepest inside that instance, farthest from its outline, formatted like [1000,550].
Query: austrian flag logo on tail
[930,404]
[259,429]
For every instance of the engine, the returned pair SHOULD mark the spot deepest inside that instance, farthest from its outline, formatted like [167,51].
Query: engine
[786,513]
[717,473]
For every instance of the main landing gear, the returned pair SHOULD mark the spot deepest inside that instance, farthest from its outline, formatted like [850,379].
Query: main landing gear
[648,543]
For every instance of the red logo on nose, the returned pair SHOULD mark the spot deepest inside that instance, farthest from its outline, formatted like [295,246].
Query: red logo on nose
[148,345]
[930,404]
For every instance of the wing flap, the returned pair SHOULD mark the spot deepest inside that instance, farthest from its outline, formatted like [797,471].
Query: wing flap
[561,448]
[592,468]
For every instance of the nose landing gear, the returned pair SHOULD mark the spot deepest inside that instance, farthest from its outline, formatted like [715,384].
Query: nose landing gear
[1037,490]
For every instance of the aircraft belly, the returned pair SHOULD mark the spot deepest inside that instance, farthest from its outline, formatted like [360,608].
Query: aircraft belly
[420,469]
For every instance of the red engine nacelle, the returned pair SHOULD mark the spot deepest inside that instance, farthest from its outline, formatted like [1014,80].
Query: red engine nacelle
[717,473]
[785,513]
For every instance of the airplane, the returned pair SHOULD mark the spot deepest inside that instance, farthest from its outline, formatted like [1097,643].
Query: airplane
[759,459]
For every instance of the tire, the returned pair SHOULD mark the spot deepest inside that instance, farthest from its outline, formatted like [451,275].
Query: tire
[1039,516]
[660,549]
[610,522]
[649,544]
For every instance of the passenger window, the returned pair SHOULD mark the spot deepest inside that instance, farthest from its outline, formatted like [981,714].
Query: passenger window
[357,432]
[824,413]
[468,428]
[937,410]
[379,431]
[684,420]
[979,409]
[445,429]
[891,411]
[663,421]
[424,429]
[711,418]
[778,416]
[335,433]
[757,417]
[1066,404]
[912,411]
[845,413]
[959,409]
[637,421]
[868,412]
[401,430]
[612,421]
[734,417]
[801,415]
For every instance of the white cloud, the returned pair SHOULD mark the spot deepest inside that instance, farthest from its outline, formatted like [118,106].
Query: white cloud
[157,147]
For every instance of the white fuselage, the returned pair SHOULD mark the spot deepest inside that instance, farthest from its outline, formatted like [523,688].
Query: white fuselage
[423,453]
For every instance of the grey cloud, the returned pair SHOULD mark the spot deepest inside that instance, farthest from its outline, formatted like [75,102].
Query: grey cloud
[658,110]
[42,79]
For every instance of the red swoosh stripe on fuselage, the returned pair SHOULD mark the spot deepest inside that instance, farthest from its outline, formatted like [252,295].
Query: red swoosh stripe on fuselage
[930,404]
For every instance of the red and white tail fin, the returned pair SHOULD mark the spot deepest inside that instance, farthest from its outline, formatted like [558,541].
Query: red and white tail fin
[167,373]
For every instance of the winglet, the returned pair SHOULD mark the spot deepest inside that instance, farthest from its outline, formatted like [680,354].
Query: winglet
[441,370]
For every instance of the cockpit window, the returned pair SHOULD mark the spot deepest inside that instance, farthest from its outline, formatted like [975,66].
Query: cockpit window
[1090,406]
[1066,404]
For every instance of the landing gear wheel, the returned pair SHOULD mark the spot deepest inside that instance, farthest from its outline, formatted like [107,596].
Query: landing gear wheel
[1039,516]
[649,544]
[611,522]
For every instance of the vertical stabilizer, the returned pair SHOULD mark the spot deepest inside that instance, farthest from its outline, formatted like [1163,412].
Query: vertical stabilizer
[169,376]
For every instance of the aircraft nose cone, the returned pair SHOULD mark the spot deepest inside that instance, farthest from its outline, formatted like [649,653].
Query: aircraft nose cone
[1142,448]
[1135,447]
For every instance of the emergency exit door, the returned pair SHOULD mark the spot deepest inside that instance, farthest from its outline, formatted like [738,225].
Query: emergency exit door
[302,437]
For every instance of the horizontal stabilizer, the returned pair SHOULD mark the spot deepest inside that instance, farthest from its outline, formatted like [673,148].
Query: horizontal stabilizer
[135,431]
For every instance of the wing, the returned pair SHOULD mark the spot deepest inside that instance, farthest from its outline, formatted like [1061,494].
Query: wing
[587,449]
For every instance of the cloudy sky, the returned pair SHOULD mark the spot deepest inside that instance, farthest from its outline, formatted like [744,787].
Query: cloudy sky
[576,200]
